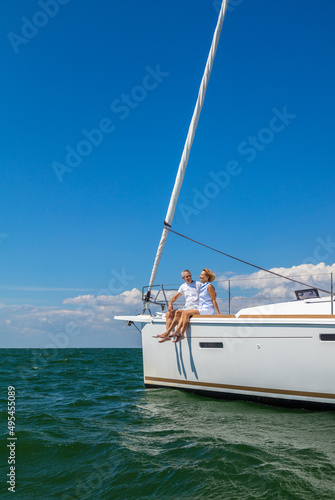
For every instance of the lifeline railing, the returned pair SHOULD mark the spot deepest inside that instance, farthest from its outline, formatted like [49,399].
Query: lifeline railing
[159,295]
[233,292]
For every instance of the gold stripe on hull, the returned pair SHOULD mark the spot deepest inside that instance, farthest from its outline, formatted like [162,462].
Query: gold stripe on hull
[241,388]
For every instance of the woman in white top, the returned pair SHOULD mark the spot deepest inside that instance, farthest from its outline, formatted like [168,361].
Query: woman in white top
[207,304]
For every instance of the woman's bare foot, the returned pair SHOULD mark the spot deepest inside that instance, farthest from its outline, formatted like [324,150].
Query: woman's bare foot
[178,338]
[174,334]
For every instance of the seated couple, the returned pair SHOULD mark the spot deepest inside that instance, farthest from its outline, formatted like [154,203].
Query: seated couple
[200,299]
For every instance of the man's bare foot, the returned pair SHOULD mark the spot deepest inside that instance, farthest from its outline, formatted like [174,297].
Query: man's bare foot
[164,339]
[162,335]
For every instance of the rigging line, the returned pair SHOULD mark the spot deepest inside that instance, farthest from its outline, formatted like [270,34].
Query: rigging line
[244,261]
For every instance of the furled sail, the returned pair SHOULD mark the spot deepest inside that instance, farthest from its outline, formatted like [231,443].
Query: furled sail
[189,140]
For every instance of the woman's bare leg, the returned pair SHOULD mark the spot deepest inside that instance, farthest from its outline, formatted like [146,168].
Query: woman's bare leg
[183,324]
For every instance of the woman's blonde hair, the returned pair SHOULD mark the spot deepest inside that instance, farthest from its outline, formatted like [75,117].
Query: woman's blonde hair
[211,276]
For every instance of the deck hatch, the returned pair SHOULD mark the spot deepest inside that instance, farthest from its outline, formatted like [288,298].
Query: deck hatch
[211,345]
[327,336]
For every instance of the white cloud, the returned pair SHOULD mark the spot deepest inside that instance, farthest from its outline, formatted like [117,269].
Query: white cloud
[309,274]
[114,304]
[88,320]
[270,288]
[84,321]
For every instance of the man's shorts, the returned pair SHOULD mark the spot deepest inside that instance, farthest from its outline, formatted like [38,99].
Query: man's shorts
[192,306]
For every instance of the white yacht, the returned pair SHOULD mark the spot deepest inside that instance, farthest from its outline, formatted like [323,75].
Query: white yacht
[281,353]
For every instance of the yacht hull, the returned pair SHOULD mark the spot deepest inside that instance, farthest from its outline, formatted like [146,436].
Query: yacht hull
[281,361]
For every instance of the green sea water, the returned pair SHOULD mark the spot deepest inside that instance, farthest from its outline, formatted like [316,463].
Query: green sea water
[86,428]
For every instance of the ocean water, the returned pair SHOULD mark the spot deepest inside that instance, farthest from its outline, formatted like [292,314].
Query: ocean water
[86,428]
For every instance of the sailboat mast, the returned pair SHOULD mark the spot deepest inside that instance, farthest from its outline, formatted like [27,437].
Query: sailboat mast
[189,141]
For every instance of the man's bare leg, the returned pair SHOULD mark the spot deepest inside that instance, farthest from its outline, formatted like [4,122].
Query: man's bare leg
[173,323]
[169,318]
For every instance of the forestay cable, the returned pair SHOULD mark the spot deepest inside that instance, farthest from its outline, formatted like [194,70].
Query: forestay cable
[243,261]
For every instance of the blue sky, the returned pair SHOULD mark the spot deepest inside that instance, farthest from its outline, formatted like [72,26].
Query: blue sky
[96,100]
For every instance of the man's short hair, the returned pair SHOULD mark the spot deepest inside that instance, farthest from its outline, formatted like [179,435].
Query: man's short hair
[184,272]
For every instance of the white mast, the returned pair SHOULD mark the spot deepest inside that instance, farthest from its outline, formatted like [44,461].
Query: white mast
[189,140]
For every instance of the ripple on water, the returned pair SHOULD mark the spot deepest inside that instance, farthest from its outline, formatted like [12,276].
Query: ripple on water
[87,428]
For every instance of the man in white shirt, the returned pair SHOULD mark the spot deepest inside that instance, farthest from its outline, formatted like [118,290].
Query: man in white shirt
[190,290]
